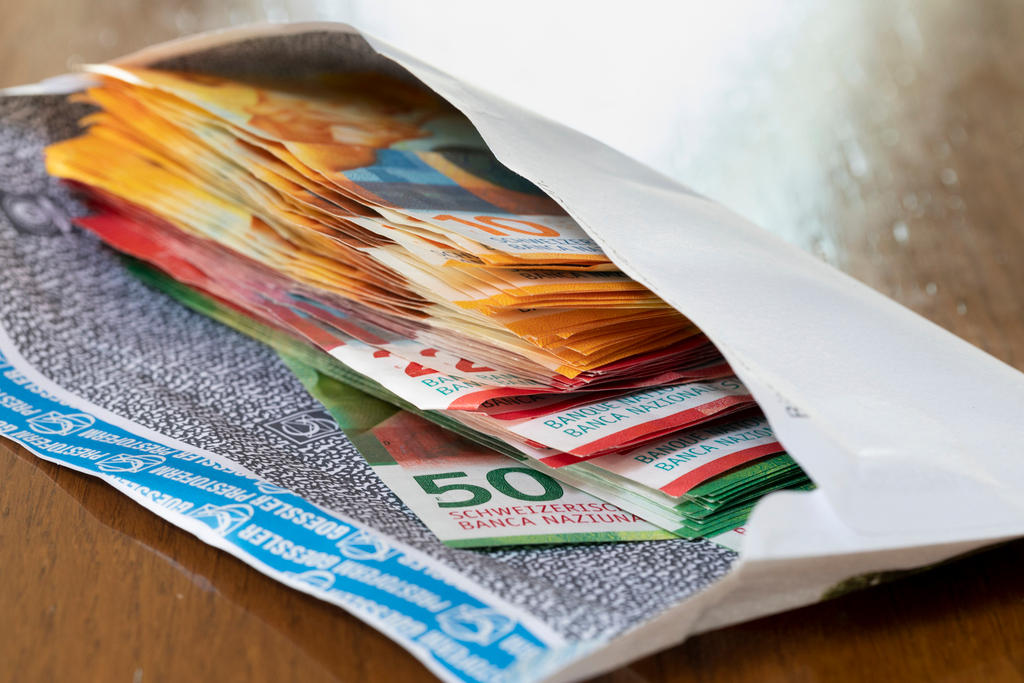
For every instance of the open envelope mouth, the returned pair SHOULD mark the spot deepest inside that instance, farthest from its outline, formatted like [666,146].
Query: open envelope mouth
[361,221]
[434,354]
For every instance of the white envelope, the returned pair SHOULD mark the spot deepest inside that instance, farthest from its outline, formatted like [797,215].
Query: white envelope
[911,434]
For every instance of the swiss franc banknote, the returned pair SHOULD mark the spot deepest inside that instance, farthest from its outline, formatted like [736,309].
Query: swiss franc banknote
[468,495]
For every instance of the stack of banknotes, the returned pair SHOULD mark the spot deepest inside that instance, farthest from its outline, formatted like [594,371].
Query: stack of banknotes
[496,369]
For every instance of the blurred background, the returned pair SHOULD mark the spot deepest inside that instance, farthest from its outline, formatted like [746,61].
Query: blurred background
[884,136]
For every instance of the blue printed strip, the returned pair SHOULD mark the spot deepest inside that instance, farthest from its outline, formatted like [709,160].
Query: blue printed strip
[455,627]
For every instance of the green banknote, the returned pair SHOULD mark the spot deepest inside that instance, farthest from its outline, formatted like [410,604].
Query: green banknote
[467,494]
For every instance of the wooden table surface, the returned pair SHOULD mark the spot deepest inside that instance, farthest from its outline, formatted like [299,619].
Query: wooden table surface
[893,147]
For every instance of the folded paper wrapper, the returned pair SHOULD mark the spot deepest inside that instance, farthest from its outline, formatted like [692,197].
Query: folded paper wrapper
[911,434]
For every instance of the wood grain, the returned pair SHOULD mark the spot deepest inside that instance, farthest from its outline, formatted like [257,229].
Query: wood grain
[910,179]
